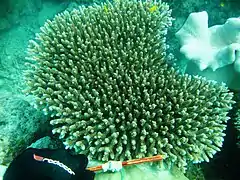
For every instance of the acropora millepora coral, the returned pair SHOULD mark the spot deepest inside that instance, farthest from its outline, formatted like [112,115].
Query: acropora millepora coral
[101,72]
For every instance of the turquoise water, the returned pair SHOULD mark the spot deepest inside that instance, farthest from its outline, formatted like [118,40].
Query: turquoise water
[21,125]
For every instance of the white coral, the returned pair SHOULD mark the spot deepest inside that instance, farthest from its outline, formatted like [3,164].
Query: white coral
[213,50]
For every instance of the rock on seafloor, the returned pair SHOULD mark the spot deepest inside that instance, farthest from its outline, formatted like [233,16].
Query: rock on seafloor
[20,126]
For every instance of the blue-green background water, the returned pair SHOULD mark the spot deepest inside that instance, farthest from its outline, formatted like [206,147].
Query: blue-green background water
[21,19]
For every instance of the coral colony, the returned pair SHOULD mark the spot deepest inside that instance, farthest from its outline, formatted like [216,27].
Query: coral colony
[101,72]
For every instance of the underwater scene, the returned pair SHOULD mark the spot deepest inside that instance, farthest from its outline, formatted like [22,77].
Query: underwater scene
[119,89]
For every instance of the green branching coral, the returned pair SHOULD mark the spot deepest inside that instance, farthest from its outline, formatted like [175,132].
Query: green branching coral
[236,116]
[101,73]
[88,1]
[237,126]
